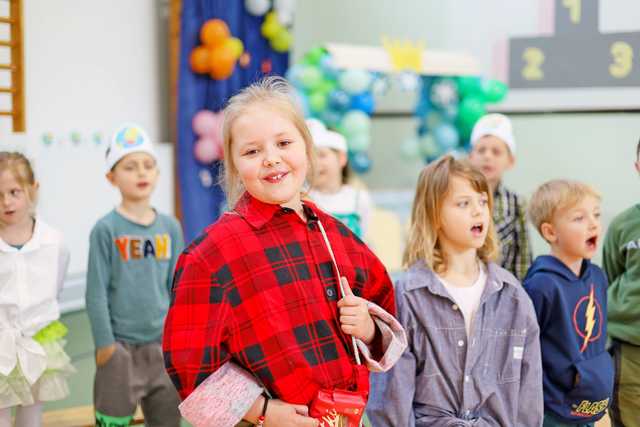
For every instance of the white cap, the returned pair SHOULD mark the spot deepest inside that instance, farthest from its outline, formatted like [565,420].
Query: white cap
[325,138]
[128,138]
[497,125]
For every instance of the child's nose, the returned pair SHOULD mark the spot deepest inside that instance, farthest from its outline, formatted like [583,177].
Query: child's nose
[271,158]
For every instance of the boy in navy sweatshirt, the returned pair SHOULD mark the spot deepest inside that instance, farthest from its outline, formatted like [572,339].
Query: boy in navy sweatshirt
[569,295]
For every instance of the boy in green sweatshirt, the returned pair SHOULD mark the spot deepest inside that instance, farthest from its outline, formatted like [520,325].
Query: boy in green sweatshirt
[132,254]
[621,260]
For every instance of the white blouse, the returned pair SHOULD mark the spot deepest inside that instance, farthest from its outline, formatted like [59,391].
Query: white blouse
[30,281]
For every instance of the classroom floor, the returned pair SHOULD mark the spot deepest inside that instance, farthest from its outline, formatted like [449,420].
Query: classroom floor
[80,349]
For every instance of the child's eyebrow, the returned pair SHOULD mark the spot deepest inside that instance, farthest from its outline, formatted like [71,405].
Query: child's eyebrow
[243,144]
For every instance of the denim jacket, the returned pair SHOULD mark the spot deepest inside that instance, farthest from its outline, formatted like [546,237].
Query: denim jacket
[491,378]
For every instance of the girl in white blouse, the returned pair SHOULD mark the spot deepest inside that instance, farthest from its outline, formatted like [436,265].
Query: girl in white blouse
[33,262]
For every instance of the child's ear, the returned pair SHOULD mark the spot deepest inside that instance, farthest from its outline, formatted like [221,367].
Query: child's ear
[637,165]
[342,158]
[548,232]
[110,178]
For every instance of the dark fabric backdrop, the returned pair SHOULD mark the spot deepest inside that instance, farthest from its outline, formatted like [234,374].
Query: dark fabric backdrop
[200,205]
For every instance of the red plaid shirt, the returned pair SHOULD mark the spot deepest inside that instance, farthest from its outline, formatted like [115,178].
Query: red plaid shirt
[259,288]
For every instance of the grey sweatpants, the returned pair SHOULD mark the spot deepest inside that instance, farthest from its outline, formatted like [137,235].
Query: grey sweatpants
[135,375]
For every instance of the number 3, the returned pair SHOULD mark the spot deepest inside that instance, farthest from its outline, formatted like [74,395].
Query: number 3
[534,59]
[622,60]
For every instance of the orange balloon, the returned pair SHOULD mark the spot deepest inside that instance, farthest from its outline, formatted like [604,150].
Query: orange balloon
[222,61]
[214,32]
[199,59]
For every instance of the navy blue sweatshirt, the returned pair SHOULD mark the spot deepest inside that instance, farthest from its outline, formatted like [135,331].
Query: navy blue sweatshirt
[572,313]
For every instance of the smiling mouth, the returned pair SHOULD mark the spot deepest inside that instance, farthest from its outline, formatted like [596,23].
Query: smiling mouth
[276,177]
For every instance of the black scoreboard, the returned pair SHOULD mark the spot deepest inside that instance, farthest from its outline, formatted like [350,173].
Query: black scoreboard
[577,55]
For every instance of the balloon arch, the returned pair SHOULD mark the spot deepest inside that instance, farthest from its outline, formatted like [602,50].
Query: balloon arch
[337,84]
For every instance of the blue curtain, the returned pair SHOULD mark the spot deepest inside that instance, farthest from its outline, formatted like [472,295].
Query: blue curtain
[201,205]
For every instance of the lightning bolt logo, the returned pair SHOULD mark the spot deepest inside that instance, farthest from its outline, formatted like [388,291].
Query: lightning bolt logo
[590,320]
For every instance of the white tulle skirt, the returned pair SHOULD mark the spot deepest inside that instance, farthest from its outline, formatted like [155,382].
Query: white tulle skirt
[52,384]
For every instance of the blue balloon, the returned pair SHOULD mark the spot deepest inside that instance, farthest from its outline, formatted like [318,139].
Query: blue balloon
[380,85]
[363,102]
[450,113]
[466,145]
[328,67]
[426,83]
[422,129]
[429,159]
[304,103]
[446,135]
[339,100]
[423,107]
[444,93]
[360,161]
[294,74]
[331,118]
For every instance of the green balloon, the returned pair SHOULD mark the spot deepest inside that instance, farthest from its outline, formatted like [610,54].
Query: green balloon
[464,130]
[471,109]
[314,56]
[469,85]
[310,77]
[326,86]
[494,90]
[355,122]
[317,102]
[428,146]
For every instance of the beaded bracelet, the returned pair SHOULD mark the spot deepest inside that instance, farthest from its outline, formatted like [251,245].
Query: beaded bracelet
[261,418]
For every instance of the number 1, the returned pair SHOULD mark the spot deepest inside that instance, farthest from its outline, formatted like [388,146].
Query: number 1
[575,9]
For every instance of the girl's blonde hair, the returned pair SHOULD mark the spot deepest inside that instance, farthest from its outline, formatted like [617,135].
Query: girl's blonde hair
[271,92]
[433,187]
[21,168]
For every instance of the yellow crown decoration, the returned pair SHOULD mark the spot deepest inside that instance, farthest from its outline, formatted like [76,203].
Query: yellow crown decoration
[404,55]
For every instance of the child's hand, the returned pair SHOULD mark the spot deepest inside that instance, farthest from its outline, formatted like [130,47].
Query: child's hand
[103,354]
[355,319]
[282,414]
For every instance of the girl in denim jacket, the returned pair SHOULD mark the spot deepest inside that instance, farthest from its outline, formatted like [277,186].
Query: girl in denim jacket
[474,355]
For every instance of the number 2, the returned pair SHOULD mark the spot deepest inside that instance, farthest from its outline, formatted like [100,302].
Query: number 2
[622,55]
[534,59]
[575,9]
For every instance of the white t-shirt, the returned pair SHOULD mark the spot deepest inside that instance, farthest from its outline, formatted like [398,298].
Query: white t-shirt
[348,200]
[468,298]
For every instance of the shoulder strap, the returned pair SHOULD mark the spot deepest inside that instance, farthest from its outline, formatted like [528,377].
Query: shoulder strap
[335,265]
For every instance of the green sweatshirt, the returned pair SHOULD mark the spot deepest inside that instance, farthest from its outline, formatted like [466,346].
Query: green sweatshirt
[129,277]
[621,261]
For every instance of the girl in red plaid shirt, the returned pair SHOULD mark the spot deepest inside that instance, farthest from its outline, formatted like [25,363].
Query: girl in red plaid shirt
[256,309]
